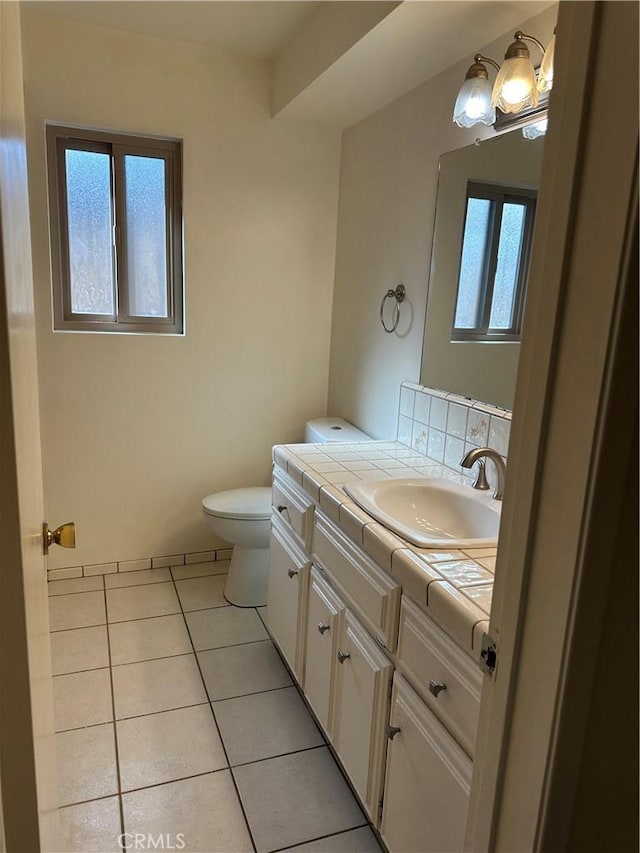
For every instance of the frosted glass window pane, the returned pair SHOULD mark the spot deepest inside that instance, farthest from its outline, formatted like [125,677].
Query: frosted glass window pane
[509,249]
[146,220]
[472,262]
[90,225]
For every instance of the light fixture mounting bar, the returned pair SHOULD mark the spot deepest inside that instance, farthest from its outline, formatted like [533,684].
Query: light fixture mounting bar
[520,36]
[480,58]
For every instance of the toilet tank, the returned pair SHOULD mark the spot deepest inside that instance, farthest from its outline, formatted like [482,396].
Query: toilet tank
[323,430]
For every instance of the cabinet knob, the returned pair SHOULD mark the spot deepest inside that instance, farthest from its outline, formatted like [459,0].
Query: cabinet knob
[436,687]
[282,508]
[343,656]
[322,627]
[292,572]
[392,731]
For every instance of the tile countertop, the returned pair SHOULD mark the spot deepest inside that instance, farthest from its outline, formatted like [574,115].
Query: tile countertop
[453,587]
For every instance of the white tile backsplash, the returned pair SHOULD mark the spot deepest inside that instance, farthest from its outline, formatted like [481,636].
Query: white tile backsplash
[499,429]
[445,426]
[435,445]
[457,420]
[453,451]
[405,425]
[438,414]
[407,398]
[421,408]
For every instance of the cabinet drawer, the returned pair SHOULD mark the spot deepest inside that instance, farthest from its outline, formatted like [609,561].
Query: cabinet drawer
[374,594]
[426,655]
[323,625]
[428,779]
[287,597]
[293,506]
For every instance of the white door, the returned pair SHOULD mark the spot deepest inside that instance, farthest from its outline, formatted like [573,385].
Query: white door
[572,444]
[428,778]
[27,776]
[361,698]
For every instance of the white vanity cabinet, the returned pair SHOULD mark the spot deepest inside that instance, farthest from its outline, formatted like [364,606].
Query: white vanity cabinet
[348,633]
[361,702]
[288,596]
[446,678]
[323,630]
[428,779]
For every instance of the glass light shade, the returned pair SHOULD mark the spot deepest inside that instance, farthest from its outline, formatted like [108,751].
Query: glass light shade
[473,104]
[538,128]
[515,87]
[545,75]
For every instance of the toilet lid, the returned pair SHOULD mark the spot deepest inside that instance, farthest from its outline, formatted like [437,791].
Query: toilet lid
[253,502]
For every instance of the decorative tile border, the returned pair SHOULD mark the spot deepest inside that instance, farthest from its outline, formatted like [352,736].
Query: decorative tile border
[139,565]
[445,426]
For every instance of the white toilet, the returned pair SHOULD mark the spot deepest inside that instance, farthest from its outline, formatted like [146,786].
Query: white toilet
[243,518]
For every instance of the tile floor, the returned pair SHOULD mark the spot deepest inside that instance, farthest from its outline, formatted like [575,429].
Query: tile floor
[176,717]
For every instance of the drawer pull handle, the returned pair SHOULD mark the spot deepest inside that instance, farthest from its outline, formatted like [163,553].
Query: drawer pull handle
[436,687]
[343,656]
[322,627]
[392,731]
[292,572]
[282,508]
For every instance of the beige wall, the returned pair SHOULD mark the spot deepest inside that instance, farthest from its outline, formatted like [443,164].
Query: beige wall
[388,182]
[137,429]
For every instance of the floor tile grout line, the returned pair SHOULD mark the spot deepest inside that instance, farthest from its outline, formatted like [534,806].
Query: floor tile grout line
[133,619]
[115,729]
[92,800]
[207,701]
[255,693]
[134,717]
[121,794]
[78,627]
[78,671]
[172,781]
[215,722]
[278,755]
[322,837]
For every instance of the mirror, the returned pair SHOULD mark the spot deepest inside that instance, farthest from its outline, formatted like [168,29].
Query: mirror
[486,369]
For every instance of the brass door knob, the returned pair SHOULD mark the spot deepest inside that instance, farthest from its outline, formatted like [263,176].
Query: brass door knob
[65,536]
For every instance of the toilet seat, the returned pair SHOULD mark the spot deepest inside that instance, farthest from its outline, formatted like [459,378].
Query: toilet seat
[252,502]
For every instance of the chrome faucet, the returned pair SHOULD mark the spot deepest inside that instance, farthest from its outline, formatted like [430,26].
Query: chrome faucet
[479,454]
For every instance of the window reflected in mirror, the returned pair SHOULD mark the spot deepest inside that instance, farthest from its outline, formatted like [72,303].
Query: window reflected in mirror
[494,262]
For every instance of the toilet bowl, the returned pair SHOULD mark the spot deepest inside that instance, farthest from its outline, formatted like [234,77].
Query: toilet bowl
[243,518]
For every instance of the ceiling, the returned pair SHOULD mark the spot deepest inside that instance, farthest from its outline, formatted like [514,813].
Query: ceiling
[257,28]
[333,62]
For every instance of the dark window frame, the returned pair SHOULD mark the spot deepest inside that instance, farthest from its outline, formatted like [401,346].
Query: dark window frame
[498,195]
[59,139]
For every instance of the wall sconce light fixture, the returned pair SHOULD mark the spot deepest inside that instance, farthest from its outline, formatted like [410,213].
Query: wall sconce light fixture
[516,89]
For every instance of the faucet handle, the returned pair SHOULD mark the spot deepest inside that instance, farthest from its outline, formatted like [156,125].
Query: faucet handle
[481,477]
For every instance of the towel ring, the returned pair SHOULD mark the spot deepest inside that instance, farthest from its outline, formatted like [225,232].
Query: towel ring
[398,294]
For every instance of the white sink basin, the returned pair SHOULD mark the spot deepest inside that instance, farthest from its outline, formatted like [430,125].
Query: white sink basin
[431,512]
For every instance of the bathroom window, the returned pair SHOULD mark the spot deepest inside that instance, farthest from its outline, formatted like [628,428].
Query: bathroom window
[494,263]
[115,210]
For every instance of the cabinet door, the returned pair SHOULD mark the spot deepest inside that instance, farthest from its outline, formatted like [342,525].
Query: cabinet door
[427,781]
[323,614]
[287,597]
[361,701]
